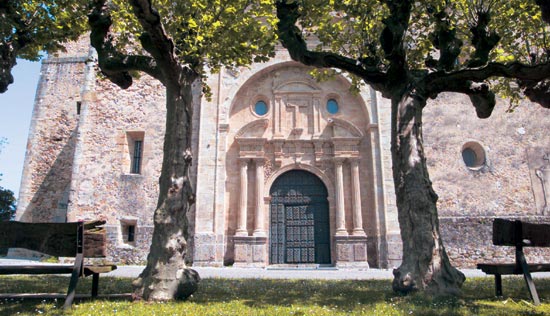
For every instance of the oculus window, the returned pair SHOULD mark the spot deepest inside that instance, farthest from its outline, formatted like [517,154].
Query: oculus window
[260,108]
[473,155]
[332,106]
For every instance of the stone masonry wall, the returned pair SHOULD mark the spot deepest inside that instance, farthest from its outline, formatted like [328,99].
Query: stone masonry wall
[470,199]
[104,187]
[468,241]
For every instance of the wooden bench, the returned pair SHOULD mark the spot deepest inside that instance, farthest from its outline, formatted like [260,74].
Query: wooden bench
[518,234]
[79,240]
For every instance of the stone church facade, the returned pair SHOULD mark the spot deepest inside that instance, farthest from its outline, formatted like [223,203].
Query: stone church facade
[288,170]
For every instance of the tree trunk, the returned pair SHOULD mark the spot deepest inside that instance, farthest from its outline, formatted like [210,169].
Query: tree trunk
[425,263]
[166,276]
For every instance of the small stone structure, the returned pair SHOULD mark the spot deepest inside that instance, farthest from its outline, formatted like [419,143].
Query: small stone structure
[288,170]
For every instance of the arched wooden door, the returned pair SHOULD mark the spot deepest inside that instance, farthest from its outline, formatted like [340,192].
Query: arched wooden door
[299,226]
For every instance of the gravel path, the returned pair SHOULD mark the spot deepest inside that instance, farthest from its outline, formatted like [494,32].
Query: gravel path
[329,273]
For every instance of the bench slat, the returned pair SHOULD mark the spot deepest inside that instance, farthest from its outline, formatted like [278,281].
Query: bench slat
[507,233]
[88,270]
[511,268]
[54,269]
[36,269]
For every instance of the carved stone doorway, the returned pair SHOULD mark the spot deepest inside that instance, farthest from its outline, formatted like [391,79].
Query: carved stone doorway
[299,225]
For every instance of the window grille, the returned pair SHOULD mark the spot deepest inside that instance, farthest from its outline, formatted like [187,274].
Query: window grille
[138,153]
[131,233]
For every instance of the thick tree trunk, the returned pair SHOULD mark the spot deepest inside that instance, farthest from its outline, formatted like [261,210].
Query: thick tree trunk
[425,263]
[166,276]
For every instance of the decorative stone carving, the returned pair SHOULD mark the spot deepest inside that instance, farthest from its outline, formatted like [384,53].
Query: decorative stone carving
[268,168]
[255,129]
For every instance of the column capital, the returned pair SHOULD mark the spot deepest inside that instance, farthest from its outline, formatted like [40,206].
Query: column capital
[257,160]
[243,161]
[338,160]
[354,161]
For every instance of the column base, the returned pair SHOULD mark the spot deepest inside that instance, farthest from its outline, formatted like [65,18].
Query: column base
[358,232]
[351,252]
[208,250]
[241,232]
[260,233]
[250,251]
[341,232]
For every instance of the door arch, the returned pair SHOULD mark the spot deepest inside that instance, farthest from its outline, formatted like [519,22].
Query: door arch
[299,221]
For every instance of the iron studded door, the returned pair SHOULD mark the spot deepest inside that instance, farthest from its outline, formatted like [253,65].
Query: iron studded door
[299,230]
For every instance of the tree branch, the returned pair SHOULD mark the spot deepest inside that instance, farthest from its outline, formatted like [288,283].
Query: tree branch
[115,65]
[483,40]
[9,46]
[7,62]
[538,92]
[480,94]
[437,81]
[157,42]
[292,40]
[444,39]
[392,38]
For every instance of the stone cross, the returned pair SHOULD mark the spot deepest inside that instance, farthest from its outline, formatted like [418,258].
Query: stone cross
[297,119]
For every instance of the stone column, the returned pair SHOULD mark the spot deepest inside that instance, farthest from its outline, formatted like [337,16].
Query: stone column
[243,201]
[356,192]
[340,210]
[259,207]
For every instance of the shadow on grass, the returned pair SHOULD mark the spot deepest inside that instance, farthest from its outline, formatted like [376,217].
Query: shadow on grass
[52,284]
[264,292]
[346,296]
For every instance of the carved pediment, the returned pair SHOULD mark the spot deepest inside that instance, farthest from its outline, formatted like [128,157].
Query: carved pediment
[254,129]
[295,87]
[344,129]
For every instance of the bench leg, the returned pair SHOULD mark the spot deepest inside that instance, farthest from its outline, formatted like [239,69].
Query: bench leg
[77,270]
[528,279]
[498,285]
[95,284]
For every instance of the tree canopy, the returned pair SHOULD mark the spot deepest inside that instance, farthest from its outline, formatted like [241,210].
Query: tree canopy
[30,28]
[199,35]
[441,41]
[7,198]
[7,204]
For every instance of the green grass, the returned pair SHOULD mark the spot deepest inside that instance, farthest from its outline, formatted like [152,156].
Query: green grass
[280,297]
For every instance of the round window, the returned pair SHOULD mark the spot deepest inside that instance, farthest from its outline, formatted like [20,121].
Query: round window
[260,108]
[473,155]
[469,156]
[332,106]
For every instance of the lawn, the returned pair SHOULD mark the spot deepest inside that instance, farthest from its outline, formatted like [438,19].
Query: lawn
[280,297]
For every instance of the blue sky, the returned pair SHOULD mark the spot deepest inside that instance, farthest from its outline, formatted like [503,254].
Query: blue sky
[16,106]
